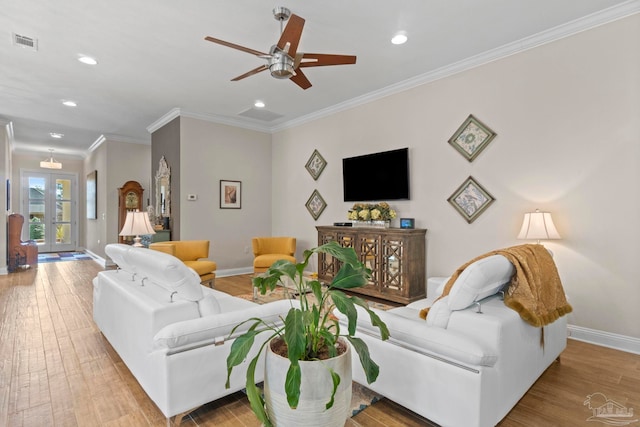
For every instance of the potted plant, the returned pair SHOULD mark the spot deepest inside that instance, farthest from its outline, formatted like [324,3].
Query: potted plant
[310,332]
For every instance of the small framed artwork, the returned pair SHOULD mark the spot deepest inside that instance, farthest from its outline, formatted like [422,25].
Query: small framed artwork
[471,138]
[230,194]
[316,204]
[470,199]
[92,195]
[316,164]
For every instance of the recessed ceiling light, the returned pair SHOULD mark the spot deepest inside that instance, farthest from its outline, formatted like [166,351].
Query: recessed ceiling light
[69,103]
[399,38]
[56,135]
[87,60]
[259,104]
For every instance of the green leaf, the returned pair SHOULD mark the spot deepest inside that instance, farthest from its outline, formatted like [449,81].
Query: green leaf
[335,378]
[253,394]
[294,334]
[316,288]
[351,276]
[375,319]
[292,384]
[239,350]
[371,369]
[344,304]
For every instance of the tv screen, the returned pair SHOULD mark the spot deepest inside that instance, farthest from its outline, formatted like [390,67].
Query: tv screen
[378,176]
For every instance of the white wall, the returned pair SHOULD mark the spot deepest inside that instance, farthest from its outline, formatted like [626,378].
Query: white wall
[212,152]
[566,115]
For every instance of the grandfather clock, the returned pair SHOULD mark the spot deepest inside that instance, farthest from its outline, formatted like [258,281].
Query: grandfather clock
[129,199]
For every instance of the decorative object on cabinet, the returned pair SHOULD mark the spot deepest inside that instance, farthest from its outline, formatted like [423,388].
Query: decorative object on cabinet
[19,253]
[471,138]
[315,205]
[470,199]
[129,199]
[538,226]
[137,224]
[92,195]
[230,194]
[395,256]
[407,223]
[371,212]
[315,165]
[163,191]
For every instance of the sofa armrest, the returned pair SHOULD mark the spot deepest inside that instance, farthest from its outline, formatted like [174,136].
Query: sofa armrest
[217,328]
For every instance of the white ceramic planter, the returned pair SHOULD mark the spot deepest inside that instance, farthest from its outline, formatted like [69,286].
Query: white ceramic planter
[315,391]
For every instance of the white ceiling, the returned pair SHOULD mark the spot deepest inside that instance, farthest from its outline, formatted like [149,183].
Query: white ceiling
[153,58]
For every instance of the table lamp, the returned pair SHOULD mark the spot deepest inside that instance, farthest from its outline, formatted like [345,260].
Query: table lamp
[539,226]
[135,224]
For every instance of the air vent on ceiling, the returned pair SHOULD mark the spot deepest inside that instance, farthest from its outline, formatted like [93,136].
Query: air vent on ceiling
[24,41]
[260,114]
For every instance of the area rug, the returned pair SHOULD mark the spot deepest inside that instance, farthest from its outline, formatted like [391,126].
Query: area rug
[62,256]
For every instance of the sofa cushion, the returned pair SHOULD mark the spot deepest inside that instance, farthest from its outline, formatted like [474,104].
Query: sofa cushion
[166,271]
[118,254]
[439,313]
[218,327]
[479,280]
[209,306]
[202,267]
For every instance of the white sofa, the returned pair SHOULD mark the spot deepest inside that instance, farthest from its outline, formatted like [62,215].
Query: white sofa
[170,331]
[460,368]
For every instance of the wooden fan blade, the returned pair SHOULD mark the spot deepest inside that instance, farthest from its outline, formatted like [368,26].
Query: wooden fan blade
[291,34]
[301,80]
[236,46]
[327,59]
[251,73]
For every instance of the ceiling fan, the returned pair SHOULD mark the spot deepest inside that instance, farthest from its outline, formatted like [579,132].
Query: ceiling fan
[283,60]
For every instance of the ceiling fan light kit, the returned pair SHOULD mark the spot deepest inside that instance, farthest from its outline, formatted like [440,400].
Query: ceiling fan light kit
[283,60]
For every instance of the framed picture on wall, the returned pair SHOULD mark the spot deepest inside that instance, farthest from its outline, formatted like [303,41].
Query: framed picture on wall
[230,194]
[92,195]
[471,138]
[470,199]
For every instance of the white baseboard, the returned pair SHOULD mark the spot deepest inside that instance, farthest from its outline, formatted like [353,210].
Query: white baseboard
[234,271]
[97,258]
[604,339]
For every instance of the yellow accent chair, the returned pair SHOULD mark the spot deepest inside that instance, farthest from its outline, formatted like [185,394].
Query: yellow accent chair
[268,250]
[191,252]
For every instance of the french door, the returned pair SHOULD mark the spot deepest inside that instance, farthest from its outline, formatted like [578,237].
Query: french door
[49,200]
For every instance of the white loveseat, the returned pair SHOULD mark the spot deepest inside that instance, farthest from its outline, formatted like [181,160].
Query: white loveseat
[170,331]
[460,368]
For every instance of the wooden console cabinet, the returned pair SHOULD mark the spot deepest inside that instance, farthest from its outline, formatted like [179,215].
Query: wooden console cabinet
[395,256]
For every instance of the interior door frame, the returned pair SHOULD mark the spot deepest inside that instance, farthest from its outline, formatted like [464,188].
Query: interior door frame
[50,244]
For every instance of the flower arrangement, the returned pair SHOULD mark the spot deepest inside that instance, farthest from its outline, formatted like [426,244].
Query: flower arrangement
[371,212]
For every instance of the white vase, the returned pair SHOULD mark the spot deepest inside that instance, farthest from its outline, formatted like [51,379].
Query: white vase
[315,391]
[372,224]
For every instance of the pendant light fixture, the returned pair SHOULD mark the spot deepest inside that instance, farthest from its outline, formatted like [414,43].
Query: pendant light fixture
[50,163]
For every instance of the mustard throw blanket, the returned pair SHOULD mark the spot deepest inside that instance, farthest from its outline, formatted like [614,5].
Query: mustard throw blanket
[535,291]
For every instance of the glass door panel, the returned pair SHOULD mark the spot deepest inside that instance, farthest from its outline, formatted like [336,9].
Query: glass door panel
[50,205]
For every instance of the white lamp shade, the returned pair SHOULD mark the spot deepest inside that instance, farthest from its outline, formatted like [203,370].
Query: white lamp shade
[538,226]
[136,224]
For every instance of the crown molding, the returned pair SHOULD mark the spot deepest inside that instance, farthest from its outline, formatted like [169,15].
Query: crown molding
[177,112]
[553,34]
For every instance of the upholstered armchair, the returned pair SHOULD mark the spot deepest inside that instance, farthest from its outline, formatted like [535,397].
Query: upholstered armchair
[267,250]
[191,253]
[19,253]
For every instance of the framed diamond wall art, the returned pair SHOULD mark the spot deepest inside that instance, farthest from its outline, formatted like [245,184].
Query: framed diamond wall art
[470,199]
[316,204]
[471,138]
[315,165]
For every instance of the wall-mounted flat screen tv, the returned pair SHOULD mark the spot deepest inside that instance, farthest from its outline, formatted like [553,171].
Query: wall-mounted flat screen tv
[378,176]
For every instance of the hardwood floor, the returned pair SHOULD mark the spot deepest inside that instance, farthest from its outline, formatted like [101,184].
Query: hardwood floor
[56,369]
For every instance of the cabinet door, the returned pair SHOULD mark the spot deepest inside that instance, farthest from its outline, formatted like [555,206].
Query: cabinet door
[394,260]
[369,254]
